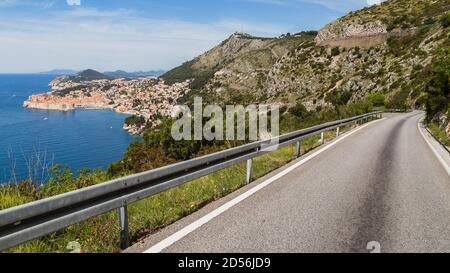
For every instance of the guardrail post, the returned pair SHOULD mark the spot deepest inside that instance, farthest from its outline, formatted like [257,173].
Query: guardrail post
[322,138]
[298,151]
[123,222]
[338,131]
[249,170]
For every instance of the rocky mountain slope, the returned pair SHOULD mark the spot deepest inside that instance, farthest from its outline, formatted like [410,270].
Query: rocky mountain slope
[386,49]
[236,68]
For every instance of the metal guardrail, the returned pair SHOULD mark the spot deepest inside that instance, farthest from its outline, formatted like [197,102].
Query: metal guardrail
[398,110]
[33,220]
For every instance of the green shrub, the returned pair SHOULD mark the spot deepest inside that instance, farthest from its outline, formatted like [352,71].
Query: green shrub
[335,51]
[377,99]
[445,20]
[299,110]
[438,85]
[339,97]
[398,100]
[439,133]
[135,120]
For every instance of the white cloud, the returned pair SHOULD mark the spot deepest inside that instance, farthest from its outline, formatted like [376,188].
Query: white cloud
[374,2]
[34,3]
[109,40]
[340,6]
[73,2]
[112,39]
[7,3]
[271,2]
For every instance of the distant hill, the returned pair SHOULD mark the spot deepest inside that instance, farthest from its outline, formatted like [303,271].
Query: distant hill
[68,72]
[90,75]
[82,76]
[125,74]
[112,74]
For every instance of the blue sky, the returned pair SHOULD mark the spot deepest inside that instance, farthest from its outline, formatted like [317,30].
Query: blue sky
[40,35]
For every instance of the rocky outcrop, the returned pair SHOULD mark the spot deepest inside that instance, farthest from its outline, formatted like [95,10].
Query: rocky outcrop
[337,31]
[443,119]
[133,129]
[355,35]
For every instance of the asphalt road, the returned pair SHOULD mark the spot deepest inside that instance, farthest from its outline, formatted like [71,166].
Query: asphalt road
[383,184]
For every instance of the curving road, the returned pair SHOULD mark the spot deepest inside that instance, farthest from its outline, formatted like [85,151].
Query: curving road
[383,183]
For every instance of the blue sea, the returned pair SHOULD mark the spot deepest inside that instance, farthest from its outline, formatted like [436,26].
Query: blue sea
[32,140]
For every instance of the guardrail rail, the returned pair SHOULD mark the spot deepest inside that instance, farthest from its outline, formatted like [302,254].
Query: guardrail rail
[33,220]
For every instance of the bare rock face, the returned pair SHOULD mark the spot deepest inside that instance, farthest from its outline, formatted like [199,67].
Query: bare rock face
[236,44]
[444,120]
[338,31]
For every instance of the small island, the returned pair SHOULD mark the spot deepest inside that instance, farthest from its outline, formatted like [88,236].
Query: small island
[146,99]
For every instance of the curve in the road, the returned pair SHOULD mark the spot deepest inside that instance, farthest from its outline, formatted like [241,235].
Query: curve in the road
[382,184]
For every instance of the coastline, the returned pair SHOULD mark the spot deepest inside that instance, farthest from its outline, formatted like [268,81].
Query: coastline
[130,129]
[148,98]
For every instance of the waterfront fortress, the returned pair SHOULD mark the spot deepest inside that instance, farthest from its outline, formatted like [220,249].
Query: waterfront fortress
[57,103]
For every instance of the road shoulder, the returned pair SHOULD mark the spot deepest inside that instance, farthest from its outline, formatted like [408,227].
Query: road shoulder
[439,151]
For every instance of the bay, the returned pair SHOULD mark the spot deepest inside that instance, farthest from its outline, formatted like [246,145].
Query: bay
[31,140]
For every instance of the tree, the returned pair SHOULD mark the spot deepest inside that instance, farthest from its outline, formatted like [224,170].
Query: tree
[398,100]
[163,141]
[377,99]
[438,86]
[335,51]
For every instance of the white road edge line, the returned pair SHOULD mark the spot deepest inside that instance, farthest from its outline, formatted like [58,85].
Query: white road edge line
[205,219]
[436,153]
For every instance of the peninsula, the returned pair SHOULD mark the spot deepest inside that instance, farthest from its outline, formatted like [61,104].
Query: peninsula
[148,98]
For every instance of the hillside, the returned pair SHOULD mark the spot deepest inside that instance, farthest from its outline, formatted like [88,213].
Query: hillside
[238,66]
[405,40]
[388,51]
[136,74]
[387,18]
